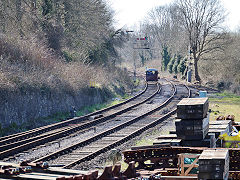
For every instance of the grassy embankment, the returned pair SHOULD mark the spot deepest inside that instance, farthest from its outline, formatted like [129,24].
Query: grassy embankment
[28,65]
[224,104]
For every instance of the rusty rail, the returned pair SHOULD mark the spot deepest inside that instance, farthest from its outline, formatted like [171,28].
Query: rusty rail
[133,134]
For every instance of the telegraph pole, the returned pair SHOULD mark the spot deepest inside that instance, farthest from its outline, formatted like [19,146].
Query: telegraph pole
[189,72]
[134,57]
[134,64]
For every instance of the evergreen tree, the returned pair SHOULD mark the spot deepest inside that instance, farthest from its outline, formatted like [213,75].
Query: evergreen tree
[47,7]
[166,57]
[182,66]
[176,63]
[171,63]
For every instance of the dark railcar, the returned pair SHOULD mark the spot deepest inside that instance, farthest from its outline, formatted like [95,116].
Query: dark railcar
[151,75]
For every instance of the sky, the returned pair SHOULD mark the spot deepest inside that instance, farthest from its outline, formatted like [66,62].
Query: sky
[128,13]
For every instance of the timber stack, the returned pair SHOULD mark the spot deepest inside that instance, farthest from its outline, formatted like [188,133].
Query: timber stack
[192,124]
[184,153]
[218,128]
[193,128]
[214,164]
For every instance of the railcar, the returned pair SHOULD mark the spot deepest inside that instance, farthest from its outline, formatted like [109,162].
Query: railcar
[151,75]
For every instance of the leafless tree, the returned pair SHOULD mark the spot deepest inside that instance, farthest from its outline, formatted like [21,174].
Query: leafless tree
[164,25]
[202,20]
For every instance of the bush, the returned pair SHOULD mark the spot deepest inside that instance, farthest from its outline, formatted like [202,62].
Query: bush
[182,66]
[166,57]
[220,85]
[28,64]
[176,63]
[67,56]
[170,64]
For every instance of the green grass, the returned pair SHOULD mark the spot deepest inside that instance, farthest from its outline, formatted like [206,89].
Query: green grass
[144,142]
[226,97]
[225,104]
[96,107]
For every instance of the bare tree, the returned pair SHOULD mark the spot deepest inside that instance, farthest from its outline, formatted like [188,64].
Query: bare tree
[163,25]
[202,20]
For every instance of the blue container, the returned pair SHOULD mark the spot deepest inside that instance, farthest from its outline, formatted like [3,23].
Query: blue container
[202,94]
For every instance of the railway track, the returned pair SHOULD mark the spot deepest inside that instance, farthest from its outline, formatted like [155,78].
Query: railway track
[33,132]
[114,136]
[13,144]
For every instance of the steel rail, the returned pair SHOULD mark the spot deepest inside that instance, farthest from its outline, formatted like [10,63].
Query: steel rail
[33,132]
[12,148]
[130,136]
[100,135]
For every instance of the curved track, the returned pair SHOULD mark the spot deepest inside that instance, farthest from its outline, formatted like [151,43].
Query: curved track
[13,144]
[33,132]
[112,137]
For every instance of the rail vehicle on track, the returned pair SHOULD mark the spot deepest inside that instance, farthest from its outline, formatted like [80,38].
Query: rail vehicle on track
[151,74]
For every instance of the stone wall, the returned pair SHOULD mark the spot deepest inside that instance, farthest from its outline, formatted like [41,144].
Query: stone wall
[20,107]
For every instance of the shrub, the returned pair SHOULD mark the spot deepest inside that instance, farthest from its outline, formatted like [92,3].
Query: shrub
[182,66]
[170,64]
[28,64]
[176,63]
[166,57]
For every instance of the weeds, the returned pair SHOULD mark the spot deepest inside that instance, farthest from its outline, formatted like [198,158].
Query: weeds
[28,64]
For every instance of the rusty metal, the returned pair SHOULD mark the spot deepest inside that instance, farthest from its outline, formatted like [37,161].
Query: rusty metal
[107,174]
[78,177]
[130,172]
[230,117]
[117,172]
[169,155]
[220,118]
[39,165]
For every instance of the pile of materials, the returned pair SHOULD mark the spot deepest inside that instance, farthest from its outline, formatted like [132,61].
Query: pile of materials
[214,164]
[192,124]
[193,128]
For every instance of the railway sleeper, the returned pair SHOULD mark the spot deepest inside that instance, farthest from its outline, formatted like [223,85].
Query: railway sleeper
[122,140]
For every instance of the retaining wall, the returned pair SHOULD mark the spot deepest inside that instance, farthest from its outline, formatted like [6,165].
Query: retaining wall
[20,107]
